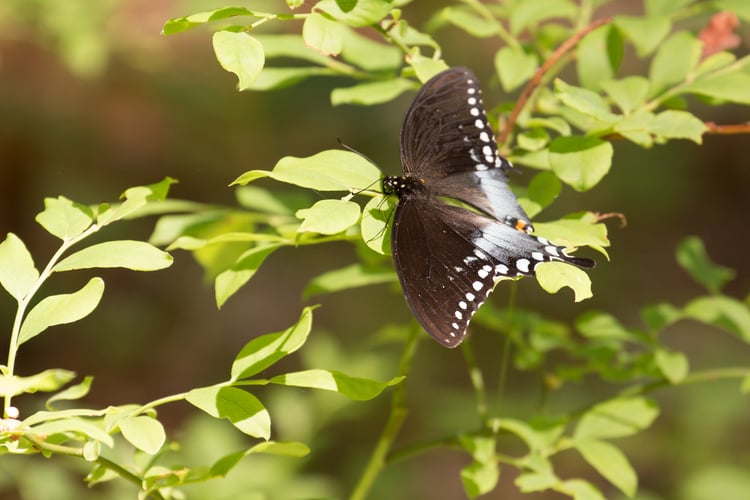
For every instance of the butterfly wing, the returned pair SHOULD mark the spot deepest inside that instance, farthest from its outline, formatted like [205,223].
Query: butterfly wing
[447,141]
[448,259]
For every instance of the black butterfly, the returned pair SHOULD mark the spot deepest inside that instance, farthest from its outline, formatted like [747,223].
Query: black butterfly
[448,256]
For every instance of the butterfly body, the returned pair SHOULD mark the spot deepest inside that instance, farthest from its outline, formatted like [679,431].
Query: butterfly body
[458,226]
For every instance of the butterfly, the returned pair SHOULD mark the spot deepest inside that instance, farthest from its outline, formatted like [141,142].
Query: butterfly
[457,226]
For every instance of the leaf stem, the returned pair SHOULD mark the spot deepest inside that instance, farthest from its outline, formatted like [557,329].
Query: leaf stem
[477,380]
[397,416]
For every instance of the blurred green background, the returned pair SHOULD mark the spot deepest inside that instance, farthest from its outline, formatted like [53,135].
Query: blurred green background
[94,100]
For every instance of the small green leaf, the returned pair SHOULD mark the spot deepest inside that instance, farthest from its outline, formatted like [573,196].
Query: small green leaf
[479,478]
[580,162]
[611,463]
[645,33]
[278,78]
[676,57]
[323,34]
[364,13]
[693,258]
[628,93]
[262,352]
[574,232]
[598,56]
[368,94]
[536,481]
[145,433]
[533,139]
[542,191]
[369,54]
[241,54]
[583,100]
[530,12]
[733,87]
[135,255]
[46,381]
[359,389]
[221,467]
[17,272]
[328,217]
[61,309]
[86,427]
[601,325]
[723,312]
[619,417]
[63,218]
[659,316]
[466,19]
[244,268]
[241,408]
[537,439]
[331,170]
[181,24]
[426,67]
[514,67]
[579,489]
[355,275]
[673,365]
[135,199]
[376,232]
[74,392]
[552,276]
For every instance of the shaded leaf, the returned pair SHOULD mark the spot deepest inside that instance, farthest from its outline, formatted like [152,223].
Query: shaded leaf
[602,325]
[619,417]
[692,257]
[360,389]
[355,275]
[673,365]
[723,312]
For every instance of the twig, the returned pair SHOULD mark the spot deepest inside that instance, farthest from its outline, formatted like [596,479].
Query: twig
[738,128]
[536,80]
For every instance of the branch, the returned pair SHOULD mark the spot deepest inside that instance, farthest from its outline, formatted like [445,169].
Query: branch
[536,80]
[738,128]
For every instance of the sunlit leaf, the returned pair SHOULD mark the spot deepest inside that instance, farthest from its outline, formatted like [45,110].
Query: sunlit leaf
[628,93]
[181,24]
[619,417]
[241,408]
[360,389]
[723,312]
[135,255]
[244,268]
[328,217]
[17,271]
[514,67]
[611,463]
[376,232]
[241,54]
[692,256]
[323,34]
[580,162]
[63,218]
[367,94]
[61,309]
[74,392]
[364,13]
[46,381]
[352,276]
[673,365]
[645,33]
[145,433]
[553,276]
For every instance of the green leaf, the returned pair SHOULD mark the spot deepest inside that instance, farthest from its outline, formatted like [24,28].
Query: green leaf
[659,316]
[533,139]
[739,7]
[359,389]
[46,381]
[376,232]
[331,170]
[63,218]
[368,94]
[241,54]
[693,258]
[17,271]
[135,199]
[723,312]
[72,393]
[665,7]
[598,56]
[241,408]
[323,34]
[514,67]
[86,427]
[277,78]
[181,24]
[580,162]
[628,94]
[135,255]
[264,351]
[479,478]
[676,57]
[673,124]
[538,440]
[602,325]
[645,33]
[369,54]
[733,87]
[244,268]
[528,13]
[552,276]
[583,100]
[61,309]
[145,433]
[673,365]
[536,481]
[221,467]
[619,417]
[364,13]
[466,19]
[611,463]
[288,46]
[328,217]
[542,191]
[579,489]
[353,276]
[574,232]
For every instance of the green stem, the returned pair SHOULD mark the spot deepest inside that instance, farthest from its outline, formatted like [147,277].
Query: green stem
[398,414]
[23,304]
[477,380]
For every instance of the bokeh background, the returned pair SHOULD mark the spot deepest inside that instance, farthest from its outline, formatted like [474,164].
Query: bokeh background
[94,100]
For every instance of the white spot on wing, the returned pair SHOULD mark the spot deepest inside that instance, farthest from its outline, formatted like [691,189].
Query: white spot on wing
[477,285]
[523,265]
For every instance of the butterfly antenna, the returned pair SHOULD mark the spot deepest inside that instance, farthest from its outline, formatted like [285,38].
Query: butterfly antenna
[361,155]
